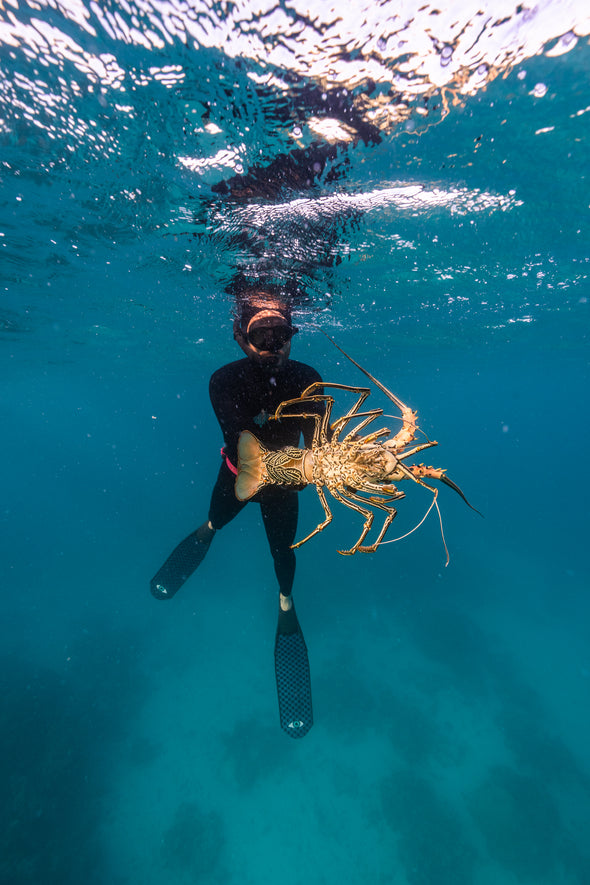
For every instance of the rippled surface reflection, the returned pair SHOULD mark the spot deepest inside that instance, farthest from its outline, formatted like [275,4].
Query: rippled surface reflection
[264,141]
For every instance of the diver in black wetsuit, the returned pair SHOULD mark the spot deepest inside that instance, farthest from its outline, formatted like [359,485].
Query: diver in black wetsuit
[244,394]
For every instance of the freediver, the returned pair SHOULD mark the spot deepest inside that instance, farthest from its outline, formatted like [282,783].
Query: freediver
[244,394]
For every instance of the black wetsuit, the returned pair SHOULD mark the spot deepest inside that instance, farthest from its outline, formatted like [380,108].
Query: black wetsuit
[243,395]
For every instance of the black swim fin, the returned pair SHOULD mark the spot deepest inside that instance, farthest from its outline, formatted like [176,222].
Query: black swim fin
[181,563]
[292,674]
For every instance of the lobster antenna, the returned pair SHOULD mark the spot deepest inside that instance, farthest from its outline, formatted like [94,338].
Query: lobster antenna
[442,532]
[378,384]
[388,393]
[433,503]
[411,532]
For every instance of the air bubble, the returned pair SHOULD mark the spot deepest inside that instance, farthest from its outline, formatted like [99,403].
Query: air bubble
[446,56]
[297,132]
[540,90]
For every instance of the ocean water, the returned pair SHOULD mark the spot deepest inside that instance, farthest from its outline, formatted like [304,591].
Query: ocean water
[419,176]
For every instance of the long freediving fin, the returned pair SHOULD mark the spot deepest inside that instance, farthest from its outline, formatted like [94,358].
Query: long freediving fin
[292,674]
[181,563]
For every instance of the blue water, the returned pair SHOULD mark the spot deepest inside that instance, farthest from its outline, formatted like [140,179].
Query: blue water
[448,253]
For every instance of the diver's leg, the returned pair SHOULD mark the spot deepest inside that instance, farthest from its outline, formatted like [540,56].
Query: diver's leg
[190,553]
[280,511]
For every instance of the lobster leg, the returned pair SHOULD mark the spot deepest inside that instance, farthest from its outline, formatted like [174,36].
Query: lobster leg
[320,436]
[368,514]
[403,455]
[322,525]
[339,425]
[307,396]
[363,392]
[372,437]
[370,548]
[391,513]
[368,418]
[383,496]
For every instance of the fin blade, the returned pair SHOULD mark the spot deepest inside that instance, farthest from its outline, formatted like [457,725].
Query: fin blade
[293,677]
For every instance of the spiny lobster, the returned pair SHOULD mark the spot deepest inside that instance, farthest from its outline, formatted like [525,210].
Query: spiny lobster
[358,471]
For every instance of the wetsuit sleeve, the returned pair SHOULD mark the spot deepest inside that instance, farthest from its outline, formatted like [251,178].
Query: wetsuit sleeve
[223,399]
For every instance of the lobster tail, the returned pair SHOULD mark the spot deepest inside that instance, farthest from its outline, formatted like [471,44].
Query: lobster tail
[250,466]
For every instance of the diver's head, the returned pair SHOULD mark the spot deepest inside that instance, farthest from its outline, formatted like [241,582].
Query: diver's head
[264,330]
